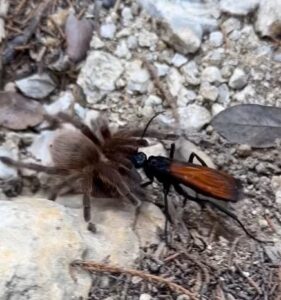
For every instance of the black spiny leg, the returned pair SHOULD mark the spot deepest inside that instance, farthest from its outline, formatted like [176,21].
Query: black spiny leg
[194,155]
[86,207]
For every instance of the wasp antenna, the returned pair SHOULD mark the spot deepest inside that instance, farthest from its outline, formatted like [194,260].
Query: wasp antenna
[149,122]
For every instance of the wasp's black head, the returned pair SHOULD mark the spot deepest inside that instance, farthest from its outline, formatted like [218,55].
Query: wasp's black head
[139,160]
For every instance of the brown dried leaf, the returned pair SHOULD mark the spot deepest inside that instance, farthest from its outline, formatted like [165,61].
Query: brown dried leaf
[18,112]
[78,36]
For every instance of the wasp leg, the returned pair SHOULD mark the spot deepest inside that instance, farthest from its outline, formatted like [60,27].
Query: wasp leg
[194,155]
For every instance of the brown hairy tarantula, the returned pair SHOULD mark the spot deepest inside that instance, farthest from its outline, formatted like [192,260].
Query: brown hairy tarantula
[100,166]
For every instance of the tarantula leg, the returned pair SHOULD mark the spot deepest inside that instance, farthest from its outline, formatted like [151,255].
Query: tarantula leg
[86,207]
[79,125]
[57,188]
[32,166]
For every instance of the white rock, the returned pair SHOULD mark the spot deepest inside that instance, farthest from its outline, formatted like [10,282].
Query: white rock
[193,116]
[122,50]
[145,297]
[276,186]
[6,172]
[147,39]
[239,7]
[185,96]
[96,43]
[137,77]
[39,242]
[191,73]
[216,39]
[238,79]
[216,109]
[223,97]
[178,60]
[183,23]
[37,86]
[108,30]
[184,148]
[247,93]
[211,74]
[174,81]
[99,75]
[152,100]
[62,104]
[132,42]
[235,35]
[231,24]
[127,15]
[215,57]
[208,91]
[156,149]
[162,69]
[269,13]
[150,221]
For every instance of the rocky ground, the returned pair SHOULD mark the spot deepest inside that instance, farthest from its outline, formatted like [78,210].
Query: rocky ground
[89,58]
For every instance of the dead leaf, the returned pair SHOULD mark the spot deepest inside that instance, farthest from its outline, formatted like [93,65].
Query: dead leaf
[78,36]
[18,112]
[256,125]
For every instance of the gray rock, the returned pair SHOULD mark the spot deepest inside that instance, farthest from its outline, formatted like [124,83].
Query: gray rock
[239,7]
[148,39]
[231,24]
[276,186]
[99,75]
[174,81]
[224,97]
[211,74]
[179,60]
[191,73]
[269,15]
[277,56]
[162,69]
[183,23]
[215,57]
[208,91]
[37,86]
[127,15]
[235,35]
[238,80]
[246,94]
[145,297]
[194,117]
[122,50]
[138,78]
[108,30]
[132,42]
[152,100]
[216,109]
[96,43]
[216,39]
[37,252]
[185,96]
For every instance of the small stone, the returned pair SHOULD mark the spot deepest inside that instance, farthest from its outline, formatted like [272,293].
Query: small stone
[223,97]
[162,69]
[238,7]
[215,57]
[127,15]
[183,297]
[244,150]
[216,109]
[211,74]
[108,3]
[122,50]
[227,71]
[62,104]
[132,42]
[174,81]
[96,43]
[37,86]
[277,56]
[216,39]
[178,60]
[208,91]
[194,117]
[145,297]
[6,172]
[148,39]
[185,96]
[10,87]
[247,93]
[152,100]
[238,80]
[231,24]
[191,73]
[235,35]
[137,77]
[108,30]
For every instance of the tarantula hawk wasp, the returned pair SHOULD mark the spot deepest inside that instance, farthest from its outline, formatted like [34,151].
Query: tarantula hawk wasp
[100,166]
[203,180]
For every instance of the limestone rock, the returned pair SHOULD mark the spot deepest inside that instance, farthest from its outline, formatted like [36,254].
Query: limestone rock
[239,7]
[99,75]
[238,80]
[191,73]
[39,242]
[137,77]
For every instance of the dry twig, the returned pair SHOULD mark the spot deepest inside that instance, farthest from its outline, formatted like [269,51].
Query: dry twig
[99,267]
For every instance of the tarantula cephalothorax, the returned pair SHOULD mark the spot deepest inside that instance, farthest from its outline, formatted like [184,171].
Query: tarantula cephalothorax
[100,166]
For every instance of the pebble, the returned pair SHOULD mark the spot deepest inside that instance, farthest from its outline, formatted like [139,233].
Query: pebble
[216,39]
[162,69]
[152,100]
[208,91]
[127,15]
[244,150]
[185,96]
[223,97]
[216,109]
[108,30]
[231,24]
[238,80]
[238,7]
[132,42]
[174,81]
[148,39]
[178,60]
[211,74]
[145,297]
[122,50]
[138,78]
[191,73]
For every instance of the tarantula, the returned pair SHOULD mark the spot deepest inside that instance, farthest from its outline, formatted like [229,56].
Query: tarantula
[101,166]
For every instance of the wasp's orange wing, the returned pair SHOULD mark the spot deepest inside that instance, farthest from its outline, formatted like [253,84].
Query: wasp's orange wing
[207,181]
